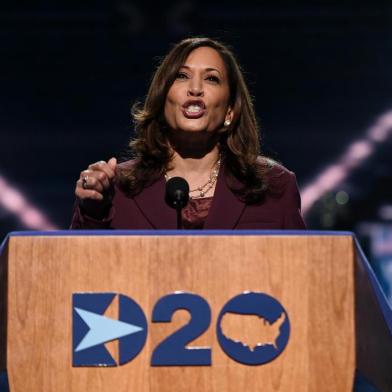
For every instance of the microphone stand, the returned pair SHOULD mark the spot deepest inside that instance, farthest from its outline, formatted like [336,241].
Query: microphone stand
[179,206]
[179,218]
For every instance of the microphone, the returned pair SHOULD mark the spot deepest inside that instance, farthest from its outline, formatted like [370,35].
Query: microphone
[177,196]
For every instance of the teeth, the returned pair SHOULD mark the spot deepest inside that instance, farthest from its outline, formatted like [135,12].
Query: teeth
[194,108]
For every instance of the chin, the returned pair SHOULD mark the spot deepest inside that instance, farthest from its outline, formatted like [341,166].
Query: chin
[193,127]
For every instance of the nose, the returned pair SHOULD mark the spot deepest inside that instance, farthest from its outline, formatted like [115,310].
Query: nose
[195,88]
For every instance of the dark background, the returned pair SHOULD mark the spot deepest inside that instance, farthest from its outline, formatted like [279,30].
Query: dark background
[321,76]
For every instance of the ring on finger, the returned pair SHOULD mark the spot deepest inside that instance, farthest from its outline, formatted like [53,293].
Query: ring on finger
[84,182]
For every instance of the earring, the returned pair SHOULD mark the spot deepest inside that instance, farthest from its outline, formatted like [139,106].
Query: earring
[227,123]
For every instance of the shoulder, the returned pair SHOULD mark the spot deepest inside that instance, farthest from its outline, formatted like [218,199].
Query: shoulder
[281,182]
[280,207]
[274,173]
[283,190]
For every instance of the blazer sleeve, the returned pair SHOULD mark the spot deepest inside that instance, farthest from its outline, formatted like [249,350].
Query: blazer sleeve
[292,218]
[85,222]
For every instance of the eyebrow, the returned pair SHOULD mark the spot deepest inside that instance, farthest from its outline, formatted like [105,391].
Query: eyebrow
[207,69]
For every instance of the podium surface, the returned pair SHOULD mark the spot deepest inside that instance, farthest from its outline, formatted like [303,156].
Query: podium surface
[281,311]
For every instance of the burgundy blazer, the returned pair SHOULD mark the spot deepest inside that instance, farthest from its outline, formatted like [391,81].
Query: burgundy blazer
[148,209]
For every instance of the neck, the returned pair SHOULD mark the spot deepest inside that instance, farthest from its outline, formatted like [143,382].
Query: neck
[193,152]
[195,156]
[194,145]
[190,166]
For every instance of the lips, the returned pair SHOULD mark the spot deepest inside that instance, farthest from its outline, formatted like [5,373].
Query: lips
[194,108]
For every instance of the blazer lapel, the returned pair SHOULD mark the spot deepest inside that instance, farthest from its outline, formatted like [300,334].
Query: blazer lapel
[151,202]
[224,213]
[226,209]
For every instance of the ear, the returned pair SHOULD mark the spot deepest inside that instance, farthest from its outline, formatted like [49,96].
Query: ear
[229,115]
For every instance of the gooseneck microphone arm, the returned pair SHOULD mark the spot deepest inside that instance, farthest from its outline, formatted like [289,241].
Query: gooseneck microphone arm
[177,196]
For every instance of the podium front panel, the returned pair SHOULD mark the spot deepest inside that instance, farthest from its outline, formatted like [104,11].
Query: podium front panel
[310,277]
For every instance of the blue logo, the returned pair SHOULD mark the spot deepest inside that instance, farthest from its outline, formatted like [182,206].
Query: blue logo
[253,328]
[91,329]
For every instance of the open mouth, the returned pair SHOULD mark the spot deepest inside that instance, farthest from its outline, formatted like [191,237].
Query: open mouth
[193,109]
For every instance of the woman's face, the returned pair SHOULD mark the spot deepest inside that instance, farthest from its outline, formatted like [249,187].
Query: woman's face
[198,100]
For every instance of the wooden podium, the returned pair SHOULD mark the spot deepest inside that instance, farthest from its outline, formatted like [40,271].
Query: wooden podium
[338,318]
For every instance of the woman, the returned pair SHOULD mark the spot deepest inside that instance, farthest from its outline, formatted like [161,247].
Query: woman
[197,123]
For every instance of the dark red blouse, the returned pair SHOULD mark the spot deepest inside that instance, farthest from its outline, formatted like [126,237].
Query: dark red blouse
[195,213]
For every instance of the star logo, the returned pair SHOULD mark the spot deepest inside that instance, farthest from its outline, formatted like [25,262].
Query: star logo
[91,329]
[103,329]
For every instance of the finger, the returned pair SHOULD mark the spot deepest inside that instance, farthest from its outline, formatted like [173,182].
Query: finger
[90,194]
[91,182]
[95,179]
[85,173]
[104,167]
[98,181]
[112,162]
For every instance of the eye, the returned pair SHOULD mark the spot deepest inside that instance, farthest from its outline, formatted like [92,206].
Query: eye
[213,78]
[181,75]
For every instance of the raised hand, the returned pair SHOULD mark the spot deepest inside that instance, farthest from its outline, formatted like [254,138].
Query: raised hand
[94,188]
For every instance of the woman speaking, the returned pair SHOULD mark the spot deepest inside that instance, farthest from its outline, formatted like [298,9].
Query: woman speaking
[198,123]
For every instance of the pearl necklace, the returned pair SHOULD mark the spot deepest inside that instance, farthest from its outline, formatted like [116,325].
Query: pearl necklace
[205,188]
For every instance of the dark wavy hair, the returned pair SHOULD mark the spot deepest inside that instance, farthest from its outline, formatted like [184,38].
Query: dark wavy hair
[239,142]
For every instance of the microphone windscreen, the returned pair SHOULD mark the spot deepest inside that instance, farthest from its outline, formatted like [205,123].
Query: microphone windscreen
[177,192]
